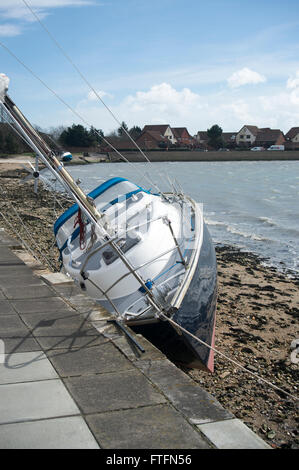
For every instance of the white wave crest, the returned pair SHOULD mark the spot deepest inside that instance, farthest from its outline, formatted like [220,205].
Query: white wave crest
[267,220]
[243,234]
[215,222]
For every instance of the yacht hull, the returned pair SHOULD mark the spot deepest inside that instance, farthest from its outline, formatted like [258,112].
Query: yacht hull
[174,256]
[197,313]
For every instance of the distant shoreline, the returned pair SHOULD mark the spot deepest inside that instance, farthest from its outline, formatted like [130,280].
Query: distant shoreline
[196,156]
[16,161]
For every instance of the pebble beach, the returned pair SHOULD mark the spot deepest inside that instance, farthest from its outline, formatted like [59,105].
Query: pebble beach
[257,316]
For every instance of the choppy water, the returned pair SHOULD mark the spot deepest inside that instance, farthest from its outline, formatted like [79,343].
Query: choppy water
[252,205]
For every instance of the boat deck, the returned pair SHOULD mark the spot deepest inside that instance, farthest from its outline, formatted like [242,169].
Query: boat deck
[69,379]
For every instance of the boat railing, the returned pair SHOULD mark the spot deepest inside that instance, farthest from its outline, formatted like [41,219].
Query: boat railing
[119,235]
[167,221]
[135,269]
[147,263]
[133,316]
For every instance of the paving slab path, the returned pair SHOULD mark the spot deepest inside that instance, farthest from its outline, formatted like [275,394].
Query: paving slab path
[69,379]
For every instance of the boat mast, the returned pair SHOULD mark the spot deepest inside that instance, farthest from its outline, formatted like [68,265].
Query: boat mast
[85,203]
[49,158]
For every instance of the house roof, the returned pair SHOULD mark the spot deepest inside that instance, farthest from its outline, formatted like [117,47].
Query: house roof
[229,136]
[178,131]
[203,135]
[155,135]
[253,129]
[268,135]
[292,133]
[156,128]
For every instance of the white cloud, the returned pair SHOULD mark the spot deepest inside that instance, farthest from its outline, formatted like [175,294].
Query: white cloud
[16,10]
[160,104]
[293,83]
[165,104]
[7,30]
[11,5]
[240,109]
[21,14]
[281,108]
[92,96]
[245,76]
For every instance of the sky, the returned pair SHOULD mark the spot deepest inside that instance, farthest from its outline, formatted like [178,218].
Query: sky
[186,63]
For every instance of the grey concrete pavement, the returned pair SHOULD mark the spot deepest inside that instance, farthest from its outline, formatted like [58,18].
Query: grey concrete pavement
[69,379]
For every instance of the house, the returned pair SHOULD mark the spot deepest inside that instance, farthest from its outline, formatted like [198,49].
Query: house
[149,139]
[182,136]
[163,129]
[229,139]
[264,137]
[246,137]
[202,137]
[293,135]
[267,137]
[292,139]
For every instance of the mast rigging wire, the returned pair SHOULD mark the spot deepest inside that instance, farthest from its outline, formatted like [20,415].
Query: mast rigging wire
[76,68]
[84,78]
[75,112]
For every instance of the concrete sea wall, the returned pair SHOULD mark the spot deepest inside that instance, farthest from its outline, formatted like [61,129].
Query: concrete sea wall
[195,156]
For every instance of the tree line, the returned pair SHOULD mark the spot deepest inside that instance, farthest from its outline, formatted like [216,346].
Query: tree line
[10,142]
[78,136]
[61,136]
